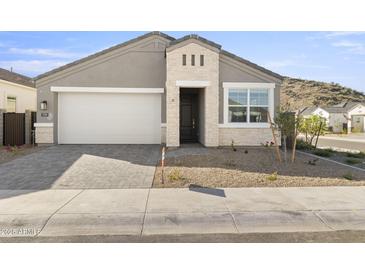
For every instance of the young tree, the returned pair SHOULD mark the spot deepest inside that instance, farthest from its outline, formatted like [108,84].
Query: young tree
[288,123]
[312,127]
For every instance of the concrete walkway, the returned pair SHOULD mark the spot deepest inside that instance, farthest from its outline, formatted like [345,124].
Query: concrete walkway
[65,212]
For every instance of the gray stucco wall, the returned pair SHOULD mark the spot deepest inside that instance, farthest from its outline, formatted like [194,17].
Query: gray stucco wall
[139,65]
[232,71]
[142,65]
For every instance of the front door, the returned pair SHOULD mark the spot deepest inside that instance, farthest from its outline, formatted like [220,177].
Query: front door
[188,117]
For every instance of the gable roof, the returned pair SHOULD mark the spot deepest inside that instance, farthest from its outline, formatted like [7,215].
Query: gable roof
[343,107]
[172,42]
[308,110]
[196,37]
[92,56]
[16,78]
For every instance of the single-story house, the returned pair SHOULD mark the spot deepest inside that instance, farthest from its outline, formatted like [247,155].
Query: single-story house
[315,110]
[157,89]
[17,92]
[340,117]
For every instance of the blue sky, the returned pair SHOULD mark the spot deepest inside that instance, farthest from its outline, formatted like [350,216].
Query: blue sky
[325,56]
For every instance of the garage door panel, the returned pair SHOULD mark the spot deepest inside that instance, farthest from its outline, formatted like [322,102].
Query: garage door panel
[106,118]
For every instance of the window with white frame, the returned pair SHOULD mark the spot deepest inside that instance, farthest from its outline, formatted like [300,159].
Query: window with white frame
[11,104]
[247,105]
[259,105]
[237,105]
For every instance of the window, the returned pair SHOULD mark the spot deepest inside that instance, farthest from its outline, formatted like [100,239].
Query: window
[11,104]
[184,59]
[259,105]
[247,103]
[193,60]
[201,60]
[237,105]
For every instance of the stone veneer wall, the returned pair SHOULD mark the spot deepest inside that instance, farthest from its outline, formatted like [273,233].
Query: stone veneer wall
[163,134]
[44,135]
[177,72]
[245,136]
[2,111]
[28,127]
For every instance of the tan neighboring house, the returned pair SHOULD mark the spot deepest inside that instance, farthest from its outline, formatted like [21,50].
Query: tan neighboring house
[157,89]
[17,92]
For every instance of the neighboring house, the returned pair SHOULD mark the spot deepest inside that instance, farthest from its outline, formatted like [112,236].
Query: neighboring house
[340,117]
[157,89]
[17,92]
[309,111]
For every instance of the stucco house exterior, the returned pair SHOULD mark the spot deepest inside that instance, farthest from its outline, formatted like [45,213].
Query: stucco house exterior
[17,92]
[157,89]
[340,117]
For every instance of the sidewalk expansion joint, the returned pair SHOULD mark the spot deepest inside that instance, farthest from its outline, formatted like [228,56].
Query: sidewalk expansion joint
[57,210]
[323,221]
[145,211]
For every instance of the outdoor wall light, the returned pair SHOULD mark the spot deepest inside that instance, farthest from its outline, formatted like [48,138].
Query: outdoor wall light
[44,105]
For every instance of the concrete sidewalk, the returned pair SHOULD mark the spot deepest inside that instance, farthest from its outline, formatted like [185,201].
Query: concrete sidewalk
[180,211]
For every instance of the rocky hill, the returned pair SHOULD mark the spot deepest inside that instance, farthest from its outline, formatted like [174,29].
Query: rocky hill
[300,93]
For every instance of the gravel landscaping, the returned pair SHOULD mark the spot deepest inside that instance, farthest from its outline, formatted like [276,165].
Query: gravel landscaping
[250,167]
[8,154]
[349,158]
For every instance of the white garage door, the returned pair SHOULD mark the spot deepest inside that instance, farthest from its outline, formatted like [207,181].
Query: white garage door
[109,118]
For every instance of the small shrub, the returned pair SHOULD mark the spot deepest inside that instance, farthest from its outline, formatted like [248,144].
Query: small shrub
[268,144]
[232,146]
[348,176]
[230,163]
[356,155]
[322,153]
[301,145]
[353,161]
[312,162]
[273,176]
[175,175]
[12,149]
[330,150]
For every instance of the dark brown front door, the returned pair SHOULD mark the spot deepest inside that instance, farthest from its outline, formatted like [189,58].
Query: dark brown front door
[188,117]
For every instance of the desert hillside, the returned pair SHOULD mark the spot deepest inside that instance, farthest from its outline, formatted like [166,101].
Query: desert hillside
[300,93]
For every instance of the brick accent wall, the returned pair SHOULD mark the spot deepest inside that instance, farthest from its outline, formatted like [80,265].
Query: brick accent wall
[44,135]
[177,72]
[245,136]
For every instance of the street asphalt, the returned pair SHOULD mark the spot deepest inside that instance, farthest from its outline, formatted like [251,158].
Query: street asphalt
[350,142]
[345,236]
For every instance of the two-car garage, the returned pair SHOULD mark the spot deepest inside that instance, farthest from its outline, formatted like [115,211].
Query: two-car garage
[108,115]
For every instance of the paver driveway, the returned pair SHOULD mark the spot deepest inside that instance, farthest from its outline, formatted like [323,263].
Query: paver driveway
[83,166]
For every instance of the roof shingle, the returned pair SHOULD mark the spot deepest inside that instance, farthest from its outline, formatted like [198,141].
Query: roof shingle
[16,78]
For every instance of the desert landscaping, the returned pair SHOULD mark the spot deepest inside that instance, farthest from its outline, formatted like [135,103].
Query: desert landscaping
[250,167]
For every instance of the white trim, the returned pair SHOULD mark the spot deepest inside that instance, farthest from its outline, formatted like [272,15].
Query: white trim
[17,85]
[244,125]
[107,90]
[248,85]
[43,124]
[192,84]
[163,125]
